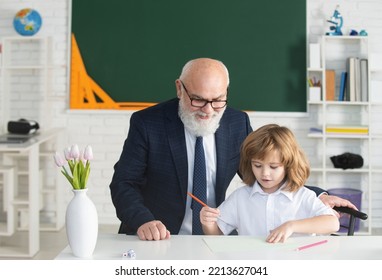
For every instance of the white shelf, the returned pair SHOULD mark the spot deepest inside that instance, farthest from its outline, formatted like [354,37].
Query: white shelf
[345,38]
[347,171]
[338,136]
[334,52]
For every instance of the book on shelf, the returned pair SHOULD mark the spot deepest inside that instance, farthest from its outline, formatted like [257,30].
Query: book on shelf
[347,129]
[357,80]
[343,86]
[315,56]
[315,130]
[357,73]
[364,80]
[330,76]
[350,93]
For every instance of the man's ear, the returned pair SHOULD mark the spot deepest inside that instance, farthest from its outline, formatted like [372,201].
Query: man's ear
[178,86]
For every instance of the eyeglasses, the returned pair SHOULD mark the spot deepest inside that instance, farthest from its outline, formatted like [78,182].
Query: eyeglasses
[200,103]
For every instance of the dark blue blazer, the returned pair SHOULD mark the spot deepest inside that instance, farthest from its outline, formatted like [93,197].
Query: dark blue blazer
[150,178]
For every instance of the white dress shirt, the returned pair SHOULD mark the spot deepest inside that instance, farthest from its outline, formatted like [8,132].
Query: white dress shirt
[251,211]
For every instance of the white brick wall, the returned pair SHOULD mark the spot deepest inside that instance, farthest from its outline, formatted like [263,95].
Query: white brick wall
[106,130]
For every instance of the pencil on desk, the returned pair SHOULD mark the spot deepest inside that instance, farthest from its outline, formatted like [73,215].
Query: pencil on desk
[197,199]
[311,245]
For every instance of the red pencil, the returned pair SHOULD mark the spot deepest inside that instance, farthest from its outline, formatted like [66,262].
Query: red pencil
[197,199]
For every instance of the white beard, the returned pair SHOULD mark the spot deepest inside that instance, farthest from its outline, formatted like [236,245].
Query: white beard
[197,126]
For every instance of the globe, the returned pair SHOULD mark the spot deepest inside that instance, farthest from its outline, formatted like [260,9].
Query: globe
[27,22]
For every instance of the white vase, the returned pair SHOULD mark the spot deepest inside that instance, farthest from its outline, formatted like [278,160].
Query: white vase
[81,224]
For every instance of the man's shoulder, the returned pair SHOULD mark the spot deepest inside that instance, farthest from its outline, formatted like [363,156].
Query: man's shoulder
[235,112]
[161,105]
[235,119]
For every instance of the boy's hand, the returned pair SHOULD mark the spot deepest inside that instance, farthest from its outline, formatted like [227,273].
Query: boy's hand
[209,216]
[281,233]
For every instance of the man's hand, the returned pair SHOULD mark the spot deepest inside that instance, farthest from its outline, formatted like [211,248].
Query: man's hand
[153,230]
[335,201]
[332,201]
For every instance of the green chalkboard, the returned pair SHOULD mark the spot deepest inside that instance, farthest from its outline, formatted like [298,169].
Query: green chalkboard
[135,49]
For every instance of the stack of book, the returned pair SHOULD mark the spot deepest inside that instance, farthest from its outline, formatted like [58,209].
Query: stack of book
[347,129]
[354,82]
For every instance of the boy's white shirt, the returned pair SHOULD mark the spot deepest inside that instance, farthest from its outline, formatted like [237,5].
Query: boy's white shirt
[251,211]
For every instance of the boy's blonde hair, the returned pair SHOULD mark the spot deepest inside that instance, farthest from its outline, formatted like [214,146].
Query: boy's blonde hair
[273,137]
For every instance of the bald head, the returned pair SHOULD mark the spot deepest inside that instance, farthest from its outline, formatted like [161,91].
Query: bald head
[203,71]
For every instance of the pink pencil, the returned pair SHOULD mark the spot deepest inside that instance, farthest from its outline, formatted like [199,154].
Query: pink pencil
[311,245]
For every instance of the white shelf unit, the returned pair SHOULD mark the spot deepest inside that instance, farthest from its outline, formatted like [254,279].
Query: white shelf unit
[26,79]
[26,71]
[334,53]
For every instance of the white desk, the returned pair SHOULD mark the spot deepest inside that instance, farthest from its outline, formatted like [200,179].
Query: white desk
[31,149]
[112,246]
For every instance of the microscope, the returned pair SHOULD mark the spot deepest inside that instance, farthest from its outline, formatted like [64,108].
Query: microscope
[337,22]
